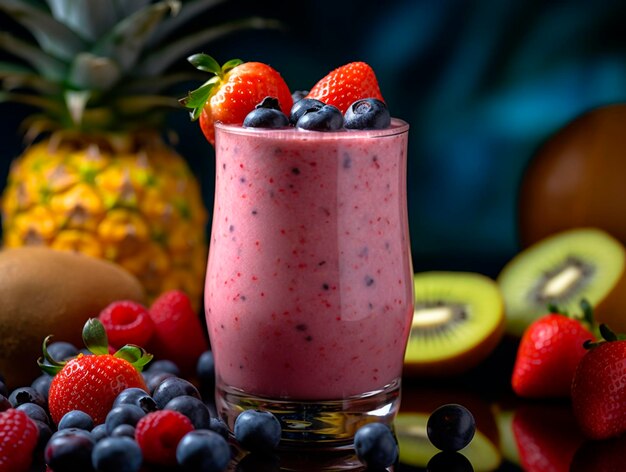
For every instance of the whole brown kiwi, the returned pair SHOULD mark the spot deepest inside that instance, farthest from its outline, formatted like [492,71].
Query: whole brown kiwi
[44,291]
[578,178]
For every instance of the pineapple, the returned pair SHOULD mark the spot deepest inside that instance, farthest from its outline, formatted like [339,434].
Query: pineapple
[98,175]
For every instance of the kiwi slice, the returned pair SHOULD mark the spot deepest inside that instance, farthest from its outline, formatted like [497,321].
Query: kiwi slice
[561,270]
[458,320]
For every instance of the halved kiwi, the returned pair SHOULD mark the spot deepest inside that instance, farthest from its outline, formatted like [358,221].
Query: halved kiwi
[410,428]
[561,270]
[457,322]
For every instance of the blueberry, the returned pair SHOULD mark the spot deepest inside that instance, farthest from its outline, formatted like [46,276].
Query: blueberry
[44,435]
[154,379]
[298,95]
[327,118]
[123,430]
[173,387]
[61,350]
[192,408]
[450,427]
[203,450]
[123,414]
[257,431]
[4,389]
[99,432]
[375,445]
[205,369]
[266,118]
[368,113]
[42,385]
[5,404]
[26,395]
[301,107]
[34,412]
[76,419]
[218,426]
[69,450]
[136,396]
[163,365]
[117,454]
[447,461]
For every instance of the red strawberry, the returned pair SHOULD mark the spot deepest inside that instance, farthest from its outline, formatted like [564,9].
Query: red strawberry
[127,322]
[92,382]
[158,433]
[546,436]
[346,84]
[234,92]
[18,438]
[547,356]
[178,333]
[599,388]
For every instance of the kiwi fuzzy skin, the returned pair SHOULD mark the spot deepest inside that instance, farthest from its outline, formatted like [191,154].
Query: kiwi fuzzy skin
[576,178]
[51,292]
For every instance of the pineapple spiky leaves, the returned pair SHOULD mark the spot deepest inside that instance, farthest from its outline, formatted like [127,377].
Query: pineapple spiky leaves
[98,177]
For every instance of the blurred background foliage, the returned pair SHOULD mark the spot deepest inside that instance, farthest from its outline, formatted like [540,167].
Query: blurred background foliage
[482,82]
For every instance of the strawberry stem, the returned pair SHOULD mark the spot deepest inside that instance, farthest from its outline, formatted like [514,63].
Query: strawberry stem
[587,310]
[49,364]
[135,355]
[95,336]
[607,333]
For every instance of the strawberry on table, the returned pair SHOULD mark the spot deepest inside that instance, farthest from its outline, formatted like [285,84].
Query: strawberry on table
[91,383]
[548,354]
[347,84]
[18,438]
[236,88]
[599,388]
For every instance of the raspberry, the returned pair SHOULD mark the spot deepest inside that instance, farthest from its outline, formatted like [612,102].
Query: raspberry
[18,438]
[158,434]
[127,322]
[178,333]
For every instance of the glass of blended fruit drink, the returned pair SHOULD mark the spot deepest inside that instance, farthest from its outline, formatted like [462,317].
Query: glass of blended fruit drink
[309,293]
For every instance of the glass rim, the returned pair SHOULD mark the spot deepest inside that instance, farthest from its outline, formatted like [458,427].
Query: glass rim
[398,126]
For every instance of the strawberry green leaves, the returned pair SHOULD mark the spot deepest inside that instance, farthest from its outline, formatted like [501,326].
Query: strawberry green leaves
[96,341]
[197,98]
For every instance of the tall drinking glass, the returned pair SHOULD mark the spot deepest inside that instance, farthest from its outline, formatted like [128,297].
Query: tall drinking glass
[309,292]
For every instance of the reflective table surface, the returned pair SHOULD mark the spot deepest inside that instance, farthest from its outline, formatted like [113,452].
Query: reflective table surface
[512,434]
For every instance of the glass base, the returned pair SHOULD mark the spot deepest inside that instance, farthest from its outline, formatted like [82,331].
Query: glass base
[314,424]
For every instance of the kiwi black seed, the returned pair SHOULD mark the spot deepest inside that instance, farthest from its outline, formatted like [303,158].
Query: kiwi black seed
[458,320]
[561,270]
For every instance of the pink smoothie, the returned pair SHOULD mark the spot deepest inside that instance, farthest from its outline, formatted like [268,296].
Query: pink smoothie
[309,281]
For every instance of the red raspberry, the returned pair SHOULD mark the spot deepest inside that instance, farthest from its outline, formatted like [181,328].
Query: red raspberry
[178,334]
[127,322]
[158,434]
[18,438]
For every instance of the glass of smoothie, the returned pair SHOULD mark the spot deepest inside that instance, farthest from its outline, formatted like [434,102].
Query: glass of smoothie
[309,293]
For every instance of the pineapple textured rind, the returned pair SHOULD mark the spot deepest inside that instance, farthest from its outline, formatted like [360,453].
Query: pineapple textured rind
[97,177]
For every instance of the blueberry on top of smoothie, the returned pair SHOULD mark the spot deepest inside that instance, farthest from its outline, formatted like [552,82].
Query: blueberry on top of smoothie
[368,113]
[327,118]
[302,107]
[266,114]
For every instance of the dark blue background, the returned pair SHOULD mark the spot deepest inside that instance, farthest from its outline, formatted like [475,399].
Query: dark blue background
[483,83]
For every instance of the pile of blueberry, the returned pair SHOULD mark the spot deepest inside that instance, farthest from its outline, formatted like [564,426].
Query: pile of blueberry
[314,115]
[173,427]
